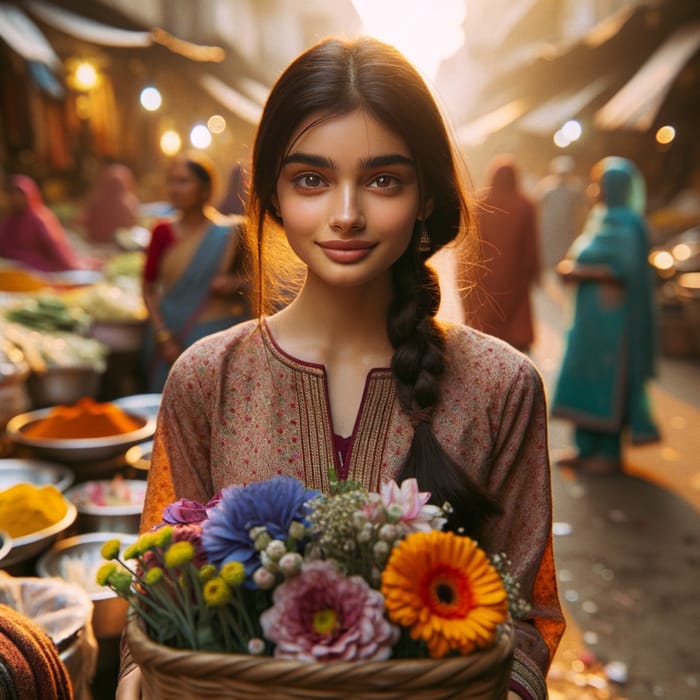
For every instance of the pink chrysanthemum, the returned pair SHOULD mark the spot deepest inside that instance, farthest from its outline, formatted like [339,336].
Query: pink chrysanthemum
[321,615]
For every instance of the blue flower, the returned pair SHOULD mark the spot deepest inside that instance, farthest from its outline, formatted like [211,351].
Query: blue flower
[273,504]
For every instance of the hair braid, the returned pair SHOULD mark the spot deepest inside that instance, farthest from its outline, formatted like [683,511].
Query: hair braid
[418,364]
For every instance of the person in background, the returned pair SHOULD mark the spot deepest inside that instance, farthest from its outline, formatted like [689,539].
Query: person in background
[499,302]
[236,195]
[194,277]
[112,205]
[561,206]
[31,234]
[353,166]
[610,346]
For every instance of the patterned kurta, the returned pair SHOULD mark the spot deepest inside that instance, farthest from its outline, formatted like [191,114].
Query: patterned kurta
[236,409]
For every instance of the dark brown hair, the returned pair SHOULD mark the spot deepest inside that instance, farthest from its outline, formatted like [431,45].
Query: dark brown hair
[333,78]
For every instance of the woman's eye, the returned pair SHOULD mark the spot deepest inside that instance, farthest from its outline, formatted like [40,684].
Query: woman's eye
[384,182]
[309,180]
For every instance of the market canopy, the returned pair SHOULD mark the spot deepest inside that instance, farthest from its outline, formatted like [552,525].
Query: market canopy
[24,37]
[546,118]
[636,105]
[478,130]
[235,101]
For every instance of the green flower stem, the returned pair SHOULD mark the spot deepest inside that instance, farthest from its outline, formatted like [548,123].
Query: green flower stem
[229,622]
[243,614]
[161,599]
[229,644]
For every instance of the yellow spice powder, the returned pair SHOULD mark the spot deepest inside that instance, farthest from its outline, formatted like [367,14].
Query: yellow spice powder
[26,508]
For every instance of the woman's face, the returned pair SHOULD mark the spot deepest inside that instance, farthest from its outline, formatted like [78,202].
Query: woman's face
[348,197]
[185,190]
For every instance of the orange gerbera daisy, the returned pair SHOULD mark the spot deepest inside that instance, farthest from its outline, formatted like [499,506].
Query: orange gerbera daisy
[443,588]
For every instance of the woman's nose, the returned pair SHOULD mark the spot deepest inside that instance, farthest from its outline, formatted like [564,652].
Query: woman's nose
[347,215]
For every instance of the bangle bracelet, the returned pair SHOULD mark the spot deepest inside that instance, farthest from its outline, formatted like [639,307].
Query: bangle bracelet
[162,336]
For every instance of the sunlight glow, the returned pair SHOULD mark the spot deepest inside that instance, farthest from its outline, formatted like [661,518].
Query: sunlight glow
[427,33]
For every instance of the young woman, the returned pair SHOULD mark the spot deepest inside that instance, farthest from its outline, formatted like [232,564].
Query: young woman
[353,163]
[193,278]
[610,350]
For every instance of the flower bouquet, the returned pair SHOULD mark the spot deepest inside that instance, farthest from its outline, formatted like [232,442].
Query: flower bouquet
[273,590]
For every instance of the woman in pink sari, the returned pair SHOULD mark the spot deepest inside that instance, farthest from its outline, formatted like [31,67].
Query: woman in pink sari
[31,234]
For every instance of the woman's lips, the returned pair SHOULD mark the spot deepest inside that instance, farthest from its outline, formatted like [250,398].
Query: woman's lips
[346,251]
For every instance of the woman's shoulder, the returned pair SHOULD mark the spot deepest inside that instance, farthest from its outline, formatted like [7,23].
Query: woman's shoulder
[223,342]
[205,361]
[471,352]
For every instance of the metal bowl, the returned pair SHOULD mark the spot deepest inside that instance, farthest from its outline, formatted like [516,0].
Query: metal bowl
[62,385]
[34,543]
[78,449]
[139,456]
[145,404]
[99,518]
[74,278]
[34,471]
[119,336]
[5,544]
[109,612]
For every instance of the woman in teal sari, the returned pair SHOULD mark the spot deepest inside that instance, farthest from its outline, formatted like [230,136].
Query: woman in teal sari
[610,349]
[194,279]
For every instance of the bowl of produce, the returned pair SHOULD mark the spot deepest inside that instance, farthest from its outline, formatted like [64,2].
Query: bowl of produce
[34,517]
[122,335]
[108,505]
[139,456]
[76,560]
[57,385]
[74,278]
[5,544]
[145,404]
[34,471]
[84,431]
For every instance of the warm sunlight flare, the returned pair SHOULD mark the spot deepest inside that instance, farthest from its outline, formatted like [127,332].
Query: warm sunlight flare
[426,33]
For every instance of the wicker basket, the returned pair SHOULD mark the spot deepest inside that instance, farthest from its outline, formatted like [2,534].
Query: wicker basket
[176,674]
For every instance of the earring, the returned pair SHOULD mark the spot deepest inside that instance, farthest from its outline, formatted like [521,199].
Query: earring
[425,245]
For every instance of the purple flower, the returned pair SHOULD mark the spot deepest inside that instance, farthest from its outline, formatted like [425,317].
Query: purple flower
[321,615]
[184,511]
[273,504]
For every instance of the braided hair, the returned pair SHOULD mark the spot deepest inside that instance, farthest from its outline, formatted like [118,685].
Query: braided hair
[333,78]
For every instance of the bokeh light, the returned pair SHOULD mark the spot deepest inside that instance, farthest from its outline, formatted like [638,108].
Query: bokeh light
[216,124]
[170,142]
[665,134]
[572,130]
[85,76]
[200,136]
[150,98]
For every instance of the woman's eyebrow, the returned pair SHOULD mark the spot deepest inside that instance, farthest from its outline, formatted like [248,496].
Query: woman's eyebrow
[388,159]
[366,163]
[308,159]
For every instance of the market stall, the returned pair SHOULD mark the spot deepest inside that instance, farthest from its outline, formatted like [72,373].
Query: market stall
[69,413]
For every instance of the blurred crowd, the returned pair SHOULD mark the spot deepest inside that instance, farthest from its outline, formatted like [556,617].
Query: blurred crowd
[590,233]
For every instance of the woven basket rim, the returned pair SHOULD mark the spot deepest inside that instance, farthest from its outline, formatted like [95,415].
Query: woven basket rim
[201,664]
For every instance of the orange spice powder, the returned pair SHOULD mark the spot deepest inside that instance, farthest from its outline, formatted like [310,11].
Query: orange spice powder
[84,419]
